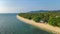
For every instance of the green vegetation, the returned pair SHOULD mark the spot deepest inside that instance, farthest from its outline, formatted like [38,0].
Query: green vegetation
[37,19]
[51,17]
[55,21]
[52,21]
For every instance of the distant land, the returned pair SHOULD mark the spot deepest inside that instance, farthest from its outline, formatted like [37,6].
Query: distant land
[44,11]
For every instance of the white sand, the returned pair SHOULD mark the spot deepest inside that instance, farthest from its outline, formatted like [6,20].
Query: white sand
[44,26]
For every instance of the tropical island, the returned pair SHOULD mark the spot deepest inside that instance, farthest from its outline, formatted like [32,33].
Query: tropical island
[48,20]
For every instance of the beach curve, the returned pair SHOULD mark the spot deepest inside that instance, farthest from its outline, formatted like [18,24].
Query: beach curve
[44,26]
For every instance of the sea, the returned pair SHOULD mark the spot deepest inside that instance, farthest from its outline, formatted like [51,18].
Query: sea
[9,24]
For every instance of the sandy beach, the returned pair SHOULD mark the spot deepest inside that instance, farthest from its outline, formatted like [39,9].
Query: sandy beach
[43,26]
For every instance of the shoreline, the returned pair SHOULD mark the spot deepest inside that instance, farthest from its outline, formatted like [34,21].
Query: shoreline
[43,26]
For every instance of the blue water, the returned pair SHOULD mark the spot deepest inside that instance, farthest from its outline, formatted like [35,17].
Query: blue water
[9,24]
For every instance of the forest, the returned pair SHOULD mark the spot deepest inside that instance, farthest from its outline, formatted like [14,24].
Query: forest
[50,17]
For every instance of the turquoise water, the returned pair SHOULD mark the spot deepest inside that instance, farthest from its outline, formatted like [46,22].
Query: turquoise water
[9,24]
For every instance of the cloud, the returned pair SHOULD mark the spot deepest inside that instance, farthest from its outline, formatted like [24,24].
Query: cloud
[13,10]
[8,10]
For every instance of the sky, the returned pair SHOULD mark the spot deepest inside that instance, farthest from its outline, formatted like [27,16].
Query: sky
[18,6]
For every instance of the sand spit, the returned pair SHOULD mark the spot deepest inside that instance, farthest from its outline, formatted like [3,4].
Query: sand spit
[44,26]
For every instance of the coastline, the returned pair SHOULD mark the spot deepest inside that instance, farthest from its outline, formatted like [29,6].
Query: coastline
[43,26]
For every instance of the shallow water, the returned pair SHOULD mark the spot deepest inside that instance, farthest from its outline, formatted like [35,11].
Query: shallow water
[9,24]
